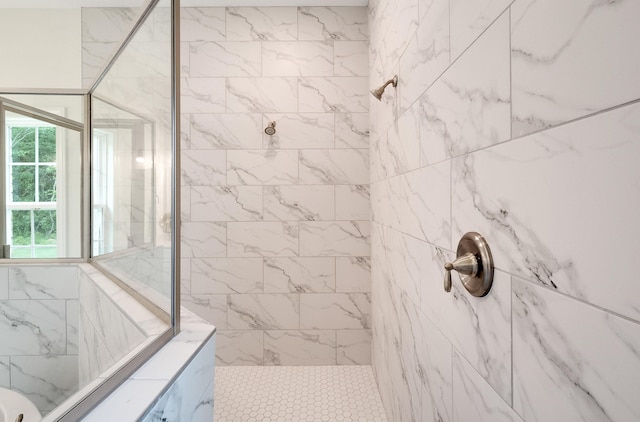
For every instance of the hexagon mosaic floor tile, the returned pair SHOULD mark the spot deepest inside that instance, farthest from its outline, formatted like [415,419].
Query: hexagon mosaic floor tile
[297,393]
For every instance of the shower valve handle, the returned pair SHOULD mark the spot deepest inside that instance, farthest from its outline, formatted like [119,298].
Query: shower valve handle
[467,264]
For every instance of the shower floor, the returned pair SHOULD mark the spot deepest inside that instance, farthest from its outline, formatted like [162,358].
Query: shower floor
[297,393]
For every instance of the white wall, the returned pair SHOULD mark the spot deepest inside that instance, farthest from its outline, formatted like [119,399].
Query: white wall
[40,48]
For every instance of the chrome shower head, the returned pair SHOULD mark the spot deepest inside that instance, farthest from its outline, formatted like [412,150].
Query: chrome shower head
[378,92]
[270,129]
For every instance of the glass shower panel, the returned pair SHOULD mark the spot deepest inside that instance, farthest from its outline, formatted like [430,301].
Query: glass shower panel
[131,156]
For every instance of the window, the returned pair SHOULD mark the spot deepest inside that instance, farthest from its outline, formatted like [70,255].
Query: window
[31,201]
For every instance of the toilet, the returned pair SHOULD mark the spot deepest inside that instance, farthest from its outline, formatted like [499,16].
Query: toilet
[13,404]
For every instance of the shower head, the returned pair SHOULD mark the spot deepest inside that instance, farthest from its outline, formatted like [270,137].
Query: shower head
[270,129]
[378,92]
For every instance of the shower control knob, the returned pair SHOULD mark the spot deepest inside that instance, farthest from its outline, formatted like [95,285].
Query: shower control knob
[474,263]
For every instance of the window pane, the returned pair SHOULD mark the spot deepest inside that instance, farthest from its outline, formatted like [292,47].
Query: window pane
[21,228]
[20,252]
[23,144]
[48,252]
[47,144]
[45,227]
[24,180]
[47,188]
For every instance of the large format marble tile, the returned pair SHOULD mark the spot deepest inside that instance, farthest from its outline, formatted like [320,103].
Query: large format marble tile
[427,54]
[5,372]
[571,361]
[33,327]
[400,149]
[353,347]
[353,274]
[202,24]
[352,130]
[336,166]
[300,130]
[203,239]
[262,239]
[4,283]
[351,58]
[93,356]
[337,238]
[353,202]
[333,94]
[225,131]
[226,275]
[73,328]
[262,23]
[43,282]
[224,59]
[45,380]
[327,23]
[106,24]
[226,203]
[266,95]
[468,107]
[297,58]
[479,328]
[263,311]
[300,347]
[299,203]
[299,275]
[476,401]
[575,175]
[262,167]
[239,348]
[574,65]
[202,95]
[469,19]
[204,168]
[211,308]
[335,311]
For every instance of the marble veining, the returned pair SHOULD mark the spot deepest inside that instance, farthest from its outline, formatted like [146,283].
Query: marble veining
[299,275]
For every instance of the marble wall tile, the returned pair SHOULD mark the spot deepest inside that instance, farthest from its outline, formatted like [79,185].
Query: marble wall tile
[43,282]
[297,58]
[335,311]
[185,131]
[262,239]
[204,167]
[262,23]
[239,348]
[94,58]
[333,94]
[354,347]
[202,95]
[406,259]
[351,58]
[537,234]
[212,308]
[353,274]
[224,59]
[352,130]
[470,19]
[45,380]
[299,275]
[202,23]
[300,131]
[481,403]
[203,239]
[403,143]
[332,23]
[262,167]
[226,275]
[266,95]
[263,312]
[353,202]
[93,356]
[5,372]
[427,54]
[292,203]
[226,131]
[4,283]
[550,73]
[106,24]
[72,326]
[226,203]
[570,360]
[336,238]
[301,347]
[33,327]
[469,106]
[337,166]
[401,21]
